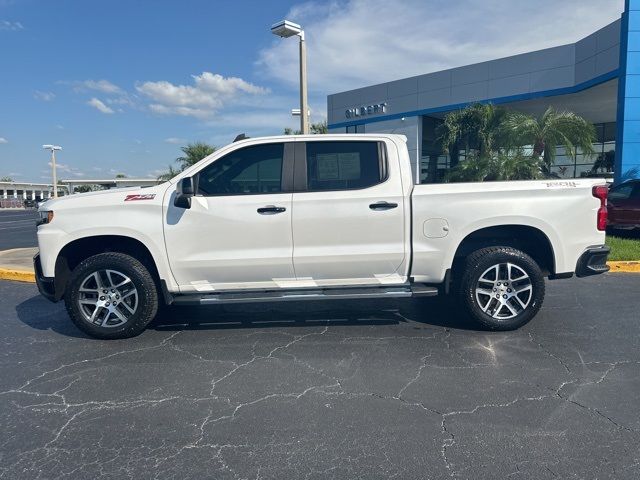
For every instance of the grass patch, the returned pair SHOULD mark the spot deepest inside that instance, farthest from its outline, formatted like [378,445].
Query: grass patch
[623,248]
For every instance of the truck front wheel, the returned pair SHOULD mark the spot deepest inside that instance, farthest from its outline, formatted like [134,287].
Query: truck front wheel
[502,287]
[111,295]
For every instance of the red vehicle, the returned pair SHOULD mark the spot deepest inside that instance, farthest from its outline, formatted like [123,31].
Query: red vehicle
[624,205]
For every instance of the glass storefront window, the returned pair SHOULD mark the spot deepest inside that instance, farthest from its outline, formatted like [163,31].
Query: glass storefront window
[434,164]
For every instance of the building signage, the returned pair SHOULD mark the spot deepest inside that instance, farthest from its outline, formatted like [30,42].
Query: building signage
[366,110]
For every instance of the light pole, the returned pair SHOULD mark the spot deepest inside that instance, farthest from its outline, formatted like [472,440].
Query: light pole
[286,29]
[53,149]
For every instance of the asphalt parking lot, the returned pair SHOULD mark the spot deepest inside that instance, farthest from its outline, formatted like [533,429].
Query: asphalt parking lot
[18,229]
[387,389]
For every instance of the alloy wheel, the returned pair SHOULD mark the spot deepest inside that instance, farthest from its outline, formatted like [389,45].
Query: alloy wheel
[107,298]
[503,291]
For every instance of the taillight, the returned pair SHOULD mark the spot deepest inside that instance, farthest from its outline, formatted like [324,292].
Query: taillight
[601,192]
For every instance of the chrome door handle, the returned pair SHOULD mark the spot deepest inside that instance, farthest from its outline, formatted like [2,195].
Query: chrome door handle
[271,210]
[382,206]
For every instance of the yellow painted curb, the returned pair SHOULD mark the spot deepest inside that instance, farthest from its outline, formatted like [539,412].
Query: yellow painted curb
[26,276]
[627,267]
[17,275]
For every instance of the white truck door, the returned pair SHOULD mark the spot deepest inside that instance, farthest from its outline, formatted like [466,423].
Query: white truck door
[348,214]
[237,233]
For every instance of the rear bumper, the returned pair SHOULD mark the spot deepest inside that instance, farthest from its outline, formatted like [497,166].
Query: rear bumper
[593,261]
[46,285]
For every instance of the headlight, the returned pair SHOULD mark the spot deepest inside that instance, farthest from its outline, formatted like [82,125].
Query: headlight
[46,216]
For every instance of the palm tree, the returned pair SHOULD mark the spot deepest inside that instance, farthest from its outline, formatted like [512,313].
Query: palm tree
[549,131]
[515,165]
[604,162]
[193,153]
[503,165]
[168,175]
[476,129]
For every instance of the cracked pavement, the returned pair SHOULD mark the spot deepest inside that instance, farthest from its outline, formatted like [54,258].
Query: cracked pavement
[354,389]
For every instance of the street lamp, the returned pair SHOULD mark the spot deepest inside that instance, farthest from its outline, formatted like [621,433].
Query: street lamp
[286,29]
[53,149]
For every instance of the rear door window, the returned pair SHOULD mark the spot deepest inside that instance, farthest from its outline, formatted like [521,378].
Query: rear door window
[344,165]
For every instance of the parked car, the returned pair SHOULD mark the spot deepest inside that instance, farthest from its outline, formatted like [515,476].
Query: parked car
[29,203]
[623,203]
[315,217]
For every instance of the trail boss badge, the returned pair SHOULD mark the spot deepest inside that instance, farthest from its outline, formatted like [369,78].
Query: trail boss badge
[132,198]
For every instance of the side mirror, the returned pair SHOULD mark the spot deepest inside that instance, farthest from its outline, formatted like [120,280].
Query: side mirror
[184,191]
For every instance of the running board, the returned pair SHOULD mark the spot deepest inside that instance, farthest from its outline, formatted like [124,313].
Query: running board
[401,291]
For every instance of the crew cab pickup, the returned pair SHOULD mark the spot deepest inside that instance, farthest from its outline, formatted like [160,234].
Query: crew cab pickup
[311,218]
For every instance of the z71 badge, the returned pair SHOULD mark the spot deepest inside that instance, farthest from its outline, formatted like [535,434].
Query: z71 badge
[132,198]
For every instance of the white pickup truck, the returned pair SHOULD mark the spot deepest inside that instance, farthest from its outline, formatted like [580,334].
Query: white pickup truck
[315,217]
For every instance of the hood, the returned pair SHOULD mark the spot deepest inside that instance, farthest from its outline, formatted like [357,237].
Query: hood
[113,195]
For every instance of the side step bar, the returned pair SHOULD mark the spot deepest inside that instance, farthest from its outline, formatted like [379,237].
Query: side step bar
[401,291]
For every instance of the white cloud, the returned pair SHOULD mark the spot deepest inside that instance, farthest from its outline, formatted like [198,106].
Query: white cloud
[362,42]
[209,93]
[175,140]
[98,104]
[3,140]
[11,26]
[67,169]
[104,86]
[44,96]
[60,166]
[115,95]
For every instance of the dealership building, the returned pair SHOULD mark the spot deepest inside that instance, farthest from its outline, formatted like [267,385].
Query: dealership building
[598,77]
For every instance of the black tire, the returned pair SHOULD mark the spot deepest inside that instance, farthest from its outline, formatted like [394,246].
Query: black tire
[146,295]
[487,306]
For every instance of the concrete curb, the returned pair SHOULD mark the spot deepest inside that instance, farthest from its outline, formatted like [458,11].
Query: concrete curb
[17,275]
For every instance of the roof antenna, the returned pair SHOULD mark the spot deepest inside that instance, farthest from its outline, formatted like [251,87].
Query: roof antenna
[242,136]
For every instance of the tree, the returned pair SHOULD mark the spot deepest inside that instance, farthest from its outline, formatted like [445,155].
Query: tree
[499,144]
[476,129]
[605,162]
[549,131]
[513,164]
[168,175]
[6,179]
[193,153]
[87,188]
[315,129]
[121,175]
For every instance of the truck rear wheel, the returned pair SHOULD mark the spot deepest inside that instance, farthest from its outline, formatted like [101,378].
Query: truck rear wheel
[502,287]
[111,295]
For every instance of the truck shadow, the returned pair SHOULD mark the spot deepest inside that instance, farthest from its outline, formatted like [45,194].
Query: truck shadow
[38,313]
[437,312]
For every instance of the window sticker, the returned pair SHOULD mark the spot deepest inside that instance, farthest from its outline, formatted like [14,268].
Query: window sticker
[349,164]
[327,166]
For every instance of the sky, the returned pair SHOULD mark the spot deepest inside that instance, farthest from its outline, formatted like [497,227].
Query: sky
[121,85]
